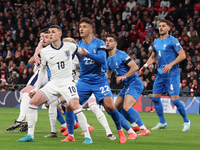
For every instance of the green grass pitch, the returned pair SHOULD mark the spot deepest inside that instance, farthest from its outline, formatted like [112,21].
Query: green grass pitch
[171,138]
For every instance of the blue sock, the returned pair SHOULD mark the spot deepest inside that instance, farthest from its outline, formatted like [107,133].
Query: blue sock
[181,109]
[135,116]
[159,108]
[116,118]
[70,121]
[126,115]
[60,117]
[124,123]
[63,107]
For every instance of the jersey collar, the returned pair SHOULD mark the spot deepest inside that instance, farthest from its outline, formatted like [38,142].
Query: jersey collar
[57,48]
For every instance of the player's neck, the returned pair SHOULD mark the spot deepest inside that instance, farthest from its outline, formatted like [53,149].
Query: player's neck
[56,44]
[162,37]
[87,39]
[112,52]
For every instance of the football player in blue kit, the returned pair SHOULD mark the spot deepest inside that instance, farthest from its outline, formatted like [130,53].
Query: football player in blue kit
[92,77]
[125,69]
[169,53]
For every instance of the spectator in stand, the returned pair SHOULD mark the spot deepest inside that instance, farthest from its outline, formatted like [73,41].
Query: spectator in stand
[14,78]
[153,13]
[188,7]
[198,61]
[181,11]
[165,3]
[125,13]
[189,33]
[131,4]
[122,5]
[149,27]
[194,87]
[163,14]
[182,74]
[194,38]
[133,47]
[191,76]
[197,71]
[133,34]
[151,82]
[156,23]
[134,58]
[23,78]
[184,88]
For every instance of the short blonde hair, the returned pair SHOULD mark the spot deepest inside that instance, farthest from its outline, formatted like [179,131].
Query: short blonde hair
[68,39]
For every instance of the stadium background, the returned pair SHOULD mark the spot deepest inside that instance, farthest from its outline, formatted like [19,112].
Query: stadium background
[134,22]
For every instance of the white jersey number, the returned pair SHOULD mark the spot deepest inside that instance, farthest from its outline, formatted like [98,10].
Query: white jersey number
[104,89]
[159,53]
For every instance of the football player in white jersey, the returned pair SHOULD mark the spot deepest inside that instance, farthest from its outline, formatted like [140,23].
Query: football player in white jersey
[58,57]
[24,93]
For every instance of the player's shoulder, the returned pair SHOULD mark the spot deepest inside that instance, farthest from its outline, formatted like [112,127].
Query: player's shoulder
[46,48]
[96,40]
[171,38]
[68,44]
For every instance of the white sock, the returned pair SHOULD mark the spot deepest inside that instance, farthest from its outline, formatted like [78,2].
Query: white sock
[131,131]
[134,124]
[142,127]
[83,122]
[53,115]
[64,125]
[32,116]
[24,106]
[101,117]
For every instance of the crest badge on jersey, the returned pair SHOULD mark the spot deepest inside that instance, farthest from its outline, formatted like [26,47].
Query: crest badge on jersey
[94,51]
[164,47]
[67,53]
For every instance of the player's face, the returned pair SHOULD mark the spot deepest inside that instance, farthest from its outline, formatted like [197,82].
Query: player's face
[163,28]
[85,29]
[110,43]
[41,36]
[46,40]
[54,34]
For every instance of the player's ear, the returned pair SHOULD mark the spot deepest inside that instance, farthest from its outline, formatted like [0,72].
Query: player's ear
[91,30]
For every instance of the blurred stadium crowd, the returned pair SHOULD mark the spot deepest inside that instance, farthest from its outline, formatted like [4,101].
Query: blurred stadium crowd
[135,22]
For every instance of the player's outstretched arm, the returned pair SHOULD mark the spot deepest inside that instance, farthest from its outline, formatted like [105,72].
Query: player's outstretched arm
[150,61]
[41,75]
[31,61]
[132,70]
[37,51]
[181,57]
[100,57]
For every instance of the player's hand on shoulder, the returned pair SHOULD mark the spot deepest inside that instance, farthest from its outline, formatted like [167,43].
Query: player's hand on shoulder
[83,53]
[32,93]
[37,59]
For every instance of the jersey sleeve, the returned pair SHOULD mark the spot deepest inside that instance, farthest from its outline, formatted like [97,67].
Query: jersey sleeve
[125,58]
[42,55]
[101,46]
[176,45]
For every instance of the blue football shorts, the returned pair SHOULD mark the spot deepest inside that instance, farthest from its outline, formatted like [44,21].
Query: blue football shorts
[100,90]
[168,84]
[134,89]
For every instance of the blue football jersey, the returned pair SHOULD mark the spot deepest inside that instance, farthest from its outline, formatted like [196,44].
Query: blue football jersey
[91,70]
[118,64]
[166,51]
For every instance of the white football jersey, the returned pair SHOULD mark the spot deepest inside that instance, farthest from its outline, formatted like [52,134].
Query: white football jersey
[59,62]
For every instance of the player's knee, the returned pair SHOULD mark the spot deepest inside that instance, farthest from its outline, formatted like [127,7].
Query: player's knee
[126,108]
